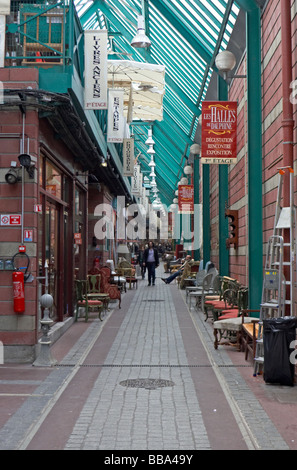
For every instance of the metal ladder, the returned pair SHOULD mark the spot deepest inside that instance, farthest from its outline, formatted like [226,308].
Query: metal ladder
[278,292]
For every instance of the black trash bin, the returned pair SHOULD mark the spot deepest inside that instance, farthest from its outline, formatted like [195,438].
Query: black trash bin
[278,333]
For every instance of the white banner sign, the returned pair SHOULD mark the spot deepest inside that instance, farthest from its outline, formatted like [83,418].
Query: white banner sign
[115,118]
[95,69]
[135,181]
[128,157]
[4,7]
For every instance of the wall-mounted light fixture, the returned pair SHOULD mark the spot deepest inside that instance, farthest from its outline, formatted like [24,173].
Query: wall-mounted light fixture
[225,62]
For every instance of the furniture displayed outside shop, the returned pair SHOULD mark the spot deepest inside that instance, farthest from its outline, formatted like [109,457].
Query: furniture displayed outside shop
[86,300]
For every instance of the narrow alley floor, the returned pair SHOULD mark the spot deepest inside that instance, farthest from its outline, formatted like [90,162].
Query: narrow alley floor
[145,378]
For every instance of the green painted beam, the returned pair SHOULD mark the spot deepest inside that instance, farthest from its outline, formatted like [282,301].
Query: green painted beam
[109,13]
[254,136]
[248,5]
[206,214]
[223,197]
[184,28]
[196,182]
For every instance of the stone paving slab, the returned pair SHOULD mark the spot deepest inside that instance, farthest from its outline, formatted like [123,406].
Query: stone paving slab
[153,337]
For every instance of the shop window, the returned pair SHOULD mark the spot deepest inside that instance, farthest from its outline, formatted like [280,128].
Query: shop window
[53,178]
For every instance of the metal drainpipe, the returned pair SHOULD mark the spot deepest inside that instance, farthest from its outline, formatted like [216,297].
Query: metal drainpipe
[287,121]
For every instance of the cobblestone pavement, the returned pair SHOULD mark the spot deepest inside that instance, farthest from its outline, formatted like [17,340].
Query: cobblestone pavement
[146,378]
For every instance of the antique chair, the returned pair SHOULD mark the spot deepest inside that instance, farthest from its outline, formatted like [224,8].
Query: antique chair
[188,274]
[85,301]
[207,288]
[196,283]
[130,278]
[229,331]
[225,301]
[94,290]
[249,334]
[118,278]
[105,286]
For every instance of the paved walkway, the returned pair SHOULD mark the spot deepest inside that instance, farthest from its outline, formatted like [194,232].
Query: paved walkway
[146,378]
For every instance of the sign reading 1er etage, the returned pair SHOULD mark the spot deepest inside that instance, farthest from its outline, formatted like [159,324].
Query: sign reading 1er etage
[219,130]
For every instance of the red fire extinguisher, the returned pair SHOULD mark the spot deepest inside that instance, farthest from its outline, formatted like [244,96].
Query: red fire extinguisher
[18,291]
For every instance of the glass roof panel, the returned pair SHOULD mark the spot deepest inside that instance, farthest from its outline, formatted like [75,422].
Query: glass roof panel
[184,36]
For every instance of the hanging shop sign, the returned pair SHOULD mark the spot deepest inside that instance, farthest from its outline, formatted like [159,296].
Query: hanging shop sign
[115,118]
[128,157]
[219,132]
[186,199]
[4,7]
[136,181]
[95,92]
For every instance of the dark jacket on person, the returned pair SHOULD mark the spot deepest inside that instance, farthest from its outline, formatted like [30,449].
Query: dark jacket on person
[146,253]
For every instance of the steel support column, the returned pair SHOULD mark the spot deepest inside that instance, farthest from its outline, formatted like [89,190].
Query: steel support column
[196,182]
[254,136]
[223,197]
[206,214]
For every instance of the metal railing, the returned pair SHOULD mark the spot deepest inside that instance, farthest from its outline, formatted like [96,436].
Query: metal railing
[43,34]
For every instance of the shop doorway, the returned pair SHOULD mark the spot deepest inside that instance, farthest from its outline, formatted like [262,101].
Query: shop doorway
[52,254]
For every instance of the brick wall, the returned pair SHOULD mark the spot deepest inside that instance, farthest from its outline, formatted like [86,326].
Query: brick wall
[272,148]
[18,332]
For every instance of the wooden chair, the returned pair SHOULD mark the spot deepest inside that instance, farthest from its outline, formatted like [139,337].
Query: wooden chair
[130,278]
[226,300]
[84,301]
[249,334]
[94,290]
[119,279]
[229,330]
[207,288]
[197,283]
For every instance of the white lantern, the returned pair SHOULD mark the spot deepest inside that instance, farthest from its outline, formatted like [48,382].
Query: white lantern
[188,170]
[195,149]
[152,163]
[184,180]
[151,151]
[225,61]
[149,140]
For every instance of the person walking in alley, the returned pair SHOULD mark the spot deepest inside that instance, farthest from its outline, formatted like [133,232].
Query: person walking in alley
[151,261]
[141,262]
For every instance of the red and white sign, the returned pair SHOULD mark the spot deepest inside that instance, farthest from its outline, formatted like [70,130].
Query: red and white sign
[38,208]
[10,219]
[186,199]
[22,249]
[77,238]
[28,235]
[219,132]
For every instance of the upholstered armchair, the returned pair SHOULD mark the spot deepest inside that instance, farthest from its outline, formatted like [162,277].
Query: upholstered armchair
[106,287]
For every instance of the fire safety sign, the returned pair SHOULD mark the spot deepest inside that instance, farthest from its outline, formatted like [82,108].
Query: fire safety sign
[9,220]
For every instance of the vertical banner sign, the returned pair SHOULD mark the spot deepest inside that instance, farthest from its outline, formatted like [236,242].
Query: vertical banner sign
[95,69]
[219,131]
[186,199]
[128,157]
[135,181]
[115,118]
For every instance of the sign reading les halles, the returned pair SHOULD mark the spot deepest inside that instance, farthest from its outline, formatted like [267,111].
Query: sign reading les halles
[219,132]
[186,199]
